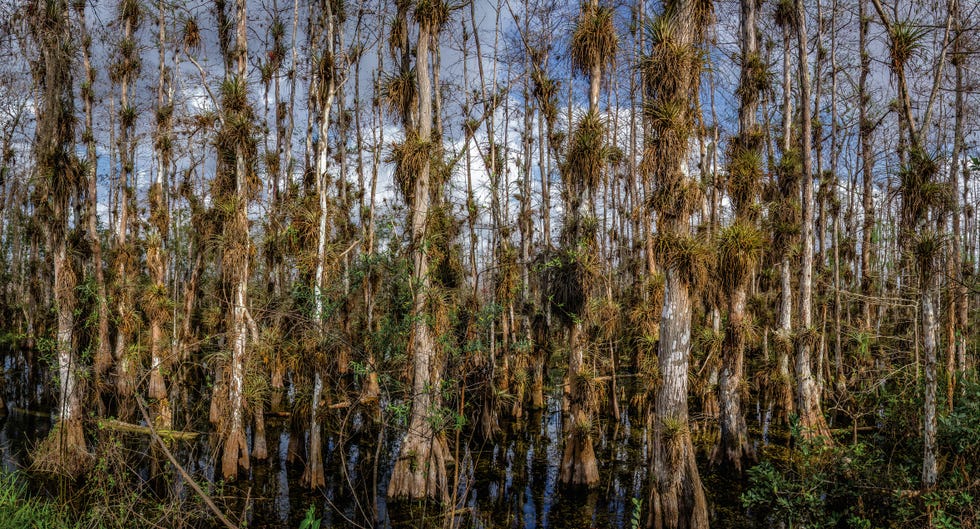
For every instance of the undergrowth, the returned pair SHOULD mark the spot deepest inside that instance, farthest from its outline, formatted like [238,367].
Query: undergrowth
[19,510]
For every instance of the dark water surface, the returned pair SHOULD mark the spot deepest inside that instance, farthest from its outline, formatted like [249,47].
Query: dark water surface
[509,482]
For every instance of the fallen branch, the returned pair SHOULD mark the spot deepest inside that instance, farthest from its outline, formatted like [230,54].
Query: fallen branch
[120,426]
[849,429]
[25,411]
[187,477]
[344,404]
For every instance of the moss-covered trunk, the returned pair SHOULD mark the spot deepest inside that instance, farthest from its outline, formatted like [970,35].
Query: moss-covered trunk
[158,296]
[671,82]
[420,470]
[64,450]
[237,136]
[740,246]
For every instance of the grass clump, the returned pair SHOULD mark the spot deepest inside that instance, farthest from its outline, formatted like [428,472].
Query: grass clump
[20,511]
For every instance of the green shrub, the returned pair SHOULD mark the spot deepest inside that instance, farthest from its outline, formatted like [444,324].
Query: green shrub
[18,511]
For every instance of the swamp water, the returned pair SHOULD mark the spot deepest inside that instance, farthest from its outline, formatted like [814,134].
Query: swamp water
[510,482]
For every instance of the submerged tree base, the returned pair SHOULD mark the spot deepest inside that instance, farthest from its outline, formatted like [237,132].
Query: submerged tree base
[420,471]
[578,465]
[63,452]
[733,453]
[677,499]
[235,455]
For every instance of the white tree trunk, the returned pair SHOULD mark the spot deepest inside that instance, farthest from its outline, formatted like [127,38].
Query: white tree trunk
[420,470]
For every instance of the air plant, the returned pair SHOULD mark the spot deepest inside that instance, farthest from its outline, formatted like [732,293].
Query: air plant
[131,11]
[434,13]
[234,94]
[905,40]
[569,276]
[690,256]
[785,15]
[738,250]
[545,92]
[757,78]
[587,153]
[397,92]
[191,34]
[927,248]
[594,40]
[409,156]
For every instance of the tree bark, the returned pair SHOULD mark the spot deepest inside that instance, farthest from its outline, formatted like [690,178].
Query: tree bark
[156,256]
[784,386]
[929,349]
[420,470]
[677,497]
[128,68]
[734,450]
[235,455]
[866,129]
[326,91]
[102,361]
[811,415]
[64,450]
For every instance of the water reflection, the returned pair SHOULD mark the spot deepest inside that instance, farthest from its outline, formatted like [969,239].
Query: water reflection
[511,482]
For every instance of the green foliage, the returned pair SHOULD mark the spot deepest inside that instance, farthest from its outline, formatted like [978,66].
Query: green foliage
[813,485]
[19,511]
[637,510]
[959,430]
[951,509]
[876,483]
[310,521]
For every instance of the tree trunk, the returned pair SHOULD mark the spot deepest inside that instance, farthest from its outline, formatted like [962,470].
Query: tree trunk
[126,376]
[678,496]
[811,415]
[784,336]
[866,128]
[734,450]
[958,313]
[578,464]
[235,454]
[326,91]
[929,324]
[64,450]
[156,256]
[313,475]
[420,470]
[916,219]
[102,361]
